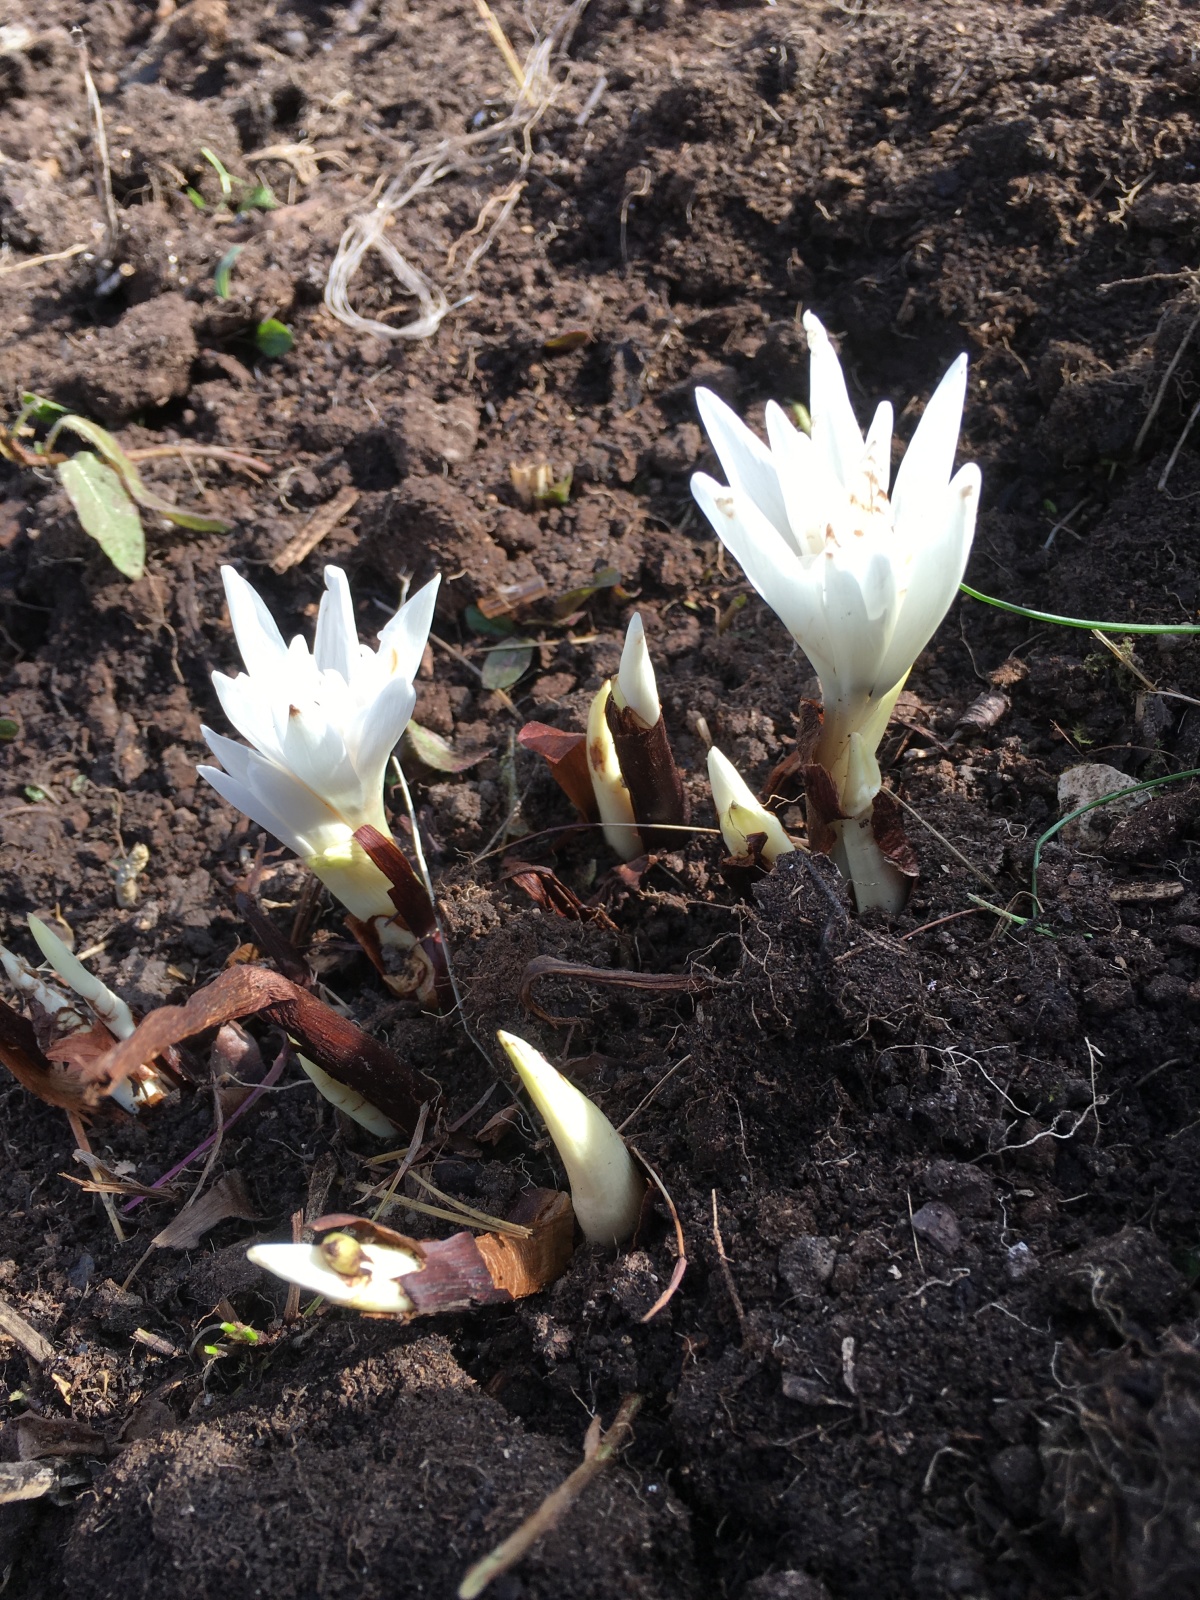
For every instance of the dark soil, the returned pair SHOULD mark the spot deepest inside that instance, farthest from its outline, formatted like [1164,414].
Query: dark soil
[953,1159]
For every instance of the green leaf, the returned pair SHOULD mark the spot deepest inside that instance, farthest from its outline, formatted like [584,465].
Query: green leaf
[33,794]
[106,511]
[506,663]
[137,490]
[259,198]
[10,728]
[273,338]
[41,409]
[490,627]
[606,578]
[224,271]
[222,172]
[431,750]
[196,198]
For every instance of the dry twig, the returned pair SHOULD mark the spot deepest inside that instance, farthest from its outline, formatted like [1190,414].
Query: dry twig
[598,1451]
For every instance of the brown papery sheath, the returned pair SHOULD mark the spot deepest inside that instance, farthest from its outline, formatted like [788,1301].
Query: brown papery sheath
[660,806]
[489,1269]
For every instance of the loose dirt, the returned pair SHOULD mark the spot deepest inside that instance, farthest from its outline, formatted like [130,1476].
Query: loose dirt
[952,1158]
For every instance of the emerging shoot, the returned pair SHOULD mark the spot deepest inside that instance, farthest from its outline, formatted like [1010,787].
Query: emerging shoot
[346,1270]
[740,815]
[606,1187]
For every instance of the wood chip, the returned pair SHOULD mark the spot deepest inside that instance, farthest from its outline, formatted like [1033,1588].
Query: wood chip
[31,1341]
[1132,894]
[322,522]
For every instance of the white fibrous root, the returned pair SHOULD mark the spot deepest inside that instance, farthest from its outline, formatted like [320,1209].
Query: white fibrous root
[740,816]
[348,1271]
[349,1101]
[607,1189]
[612,795]
[322,727]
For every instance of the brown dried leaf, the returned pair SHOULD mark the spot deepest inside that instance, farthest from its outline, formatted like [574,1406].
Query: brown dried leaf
[566,756]
[335,1043]
[228,1197]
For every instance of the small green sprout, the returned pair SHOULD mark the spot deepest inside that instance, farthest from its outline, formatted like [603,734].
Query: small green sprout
[224,271]
[273,338]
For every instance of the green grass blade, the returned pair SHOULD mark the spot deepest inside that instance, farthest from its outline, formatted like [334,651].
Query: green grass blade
[1079,622]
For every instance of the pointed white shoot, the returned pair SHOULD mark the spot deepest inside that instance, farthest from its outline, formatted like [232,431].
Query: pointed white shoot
[606,1187]
[636,686]
[362,1276]
[612,797]
[739,814]
[108,1008]
[349,1101]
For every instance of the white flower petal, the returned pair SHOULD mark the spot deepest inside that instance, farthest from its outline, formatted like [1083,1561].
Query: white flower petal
[877,458]
[835,430]
[373,736]
[402,641]
[314,749]
[812,495]
[271,797]
[336,647]
[794,594]
[929,459]
[746,461]
[935,572]
[635,678]
[249,710]
[860,608]
[259,640]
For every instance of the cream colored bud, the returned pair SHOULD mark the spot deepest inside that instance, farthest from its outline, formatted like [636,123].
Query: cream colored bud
[606,1187]
[739,814]
[635,685]
[349,1101]
[612,796]
[372,1285]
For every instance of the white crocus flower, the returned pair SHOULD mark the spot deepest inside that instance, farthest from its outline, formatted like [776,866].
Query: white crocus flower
[860,580]
[323,727]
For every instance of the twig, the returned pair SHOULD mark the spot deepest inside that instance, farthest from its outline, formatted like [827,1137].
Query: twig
[41,261]
[598,1451]
[423,868]
[14,1326]
[500,40]
[259,1089]
[1162,388]
[291,1306]
[976,872]
[681,1260]
[1174,456]
[106,1200]
[322,521]
[726,1270]
[103,170]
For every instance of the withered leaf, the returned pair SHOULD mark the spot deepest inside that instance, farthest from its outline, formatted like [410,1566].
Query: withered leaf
[336,1044]
[228,1197]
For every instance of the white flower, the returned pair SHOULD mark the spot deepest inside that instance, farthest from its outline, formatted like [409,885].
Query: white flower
[859,580]
[322,726]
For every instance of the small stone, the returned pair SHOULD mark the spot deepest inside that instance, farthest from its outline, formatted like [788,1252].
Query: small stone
[1088,782]
[1019,1262]
[806,1263]
[936,1223]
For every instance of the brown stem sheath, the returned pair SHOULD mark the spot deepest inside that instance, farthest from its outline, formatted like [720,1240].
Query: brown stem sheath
[660,806]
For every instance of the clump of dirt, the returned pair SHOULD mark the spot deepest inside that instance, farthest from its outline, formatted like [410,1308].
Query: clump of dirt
[937,1177]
